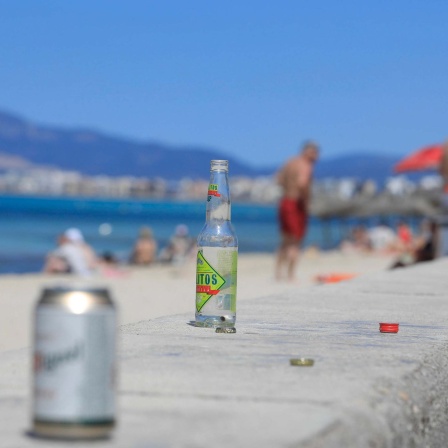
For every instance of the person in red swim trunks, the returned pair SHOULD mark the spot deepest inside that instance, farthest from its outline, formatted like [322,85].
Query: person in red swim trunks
[295,178]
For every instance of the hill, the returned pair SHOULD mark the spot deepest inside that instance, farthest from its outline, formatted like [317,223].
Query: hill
[358,165]
[93,153]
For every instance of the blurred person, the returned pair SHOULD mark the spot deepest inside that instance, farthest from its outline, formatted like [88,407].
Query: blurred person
[423,247]
[144,251]
[382,238]
[295,179]
[55,262]
[444,174]
[358,241]
[443,223]
[108,258]
[76,237]
[180,246]
[404,235]
[72,256]
[110,265]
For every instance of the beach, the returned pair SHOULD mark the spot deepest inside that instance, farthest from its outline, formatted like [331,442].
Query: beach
[147,293]
[364,388]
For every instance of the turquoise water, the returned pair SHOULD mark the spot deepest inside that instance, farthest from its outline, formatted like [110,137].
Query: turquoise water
[29,226]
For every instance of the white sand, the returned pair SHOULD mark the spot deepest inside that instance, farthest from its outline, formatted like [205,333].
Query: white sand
[147,293]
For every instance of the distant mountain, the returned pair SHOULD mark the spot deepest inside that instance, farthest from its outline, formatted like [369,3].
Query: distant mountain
[93,153]
[357,165]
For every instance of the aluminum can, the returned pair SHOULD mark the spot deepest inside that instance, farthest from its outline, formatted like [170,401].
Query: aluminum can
[74,364]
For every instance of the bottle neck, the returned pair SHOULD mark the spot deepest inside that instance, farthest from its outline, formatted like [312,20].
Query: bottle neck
[218,197]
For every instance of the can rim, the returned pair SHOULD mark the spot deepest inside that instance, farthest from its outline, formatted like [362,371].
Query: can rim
[62,295]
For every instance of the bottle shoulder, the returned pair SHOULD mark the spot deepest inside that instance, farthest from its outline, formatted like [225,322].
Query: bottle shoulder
[218,233]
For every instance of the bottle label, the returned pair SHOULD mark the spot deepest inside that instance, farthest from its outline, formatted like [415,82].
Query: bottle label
[216,277]
[213,191]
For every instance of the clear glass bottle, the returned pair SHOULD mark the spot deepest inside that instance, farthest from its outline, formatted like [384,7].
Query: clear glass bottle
[216,272]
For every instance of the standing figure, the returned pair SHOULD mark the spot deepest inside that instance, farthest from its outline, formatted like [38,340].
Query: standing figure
[295,178]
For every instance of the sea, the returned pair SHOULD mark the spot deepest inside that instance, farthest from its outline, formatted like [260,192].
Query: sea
[29,226]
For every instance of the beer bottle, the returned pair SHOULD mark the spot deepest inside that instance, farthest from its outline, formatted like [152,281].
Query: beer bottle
[217,255]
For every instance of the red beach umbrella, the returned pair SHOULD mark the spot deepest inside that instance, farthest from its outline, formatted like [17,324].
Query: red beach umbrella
[426,158]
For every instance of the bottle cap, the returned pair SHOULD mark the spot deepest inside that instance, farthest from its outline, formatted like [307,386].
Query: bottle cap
[305,362]
[388,327]
[225,330]
[219,165]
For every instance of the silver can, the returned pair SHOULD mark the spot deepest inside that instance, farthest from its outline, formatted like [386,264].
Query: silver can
[74,364]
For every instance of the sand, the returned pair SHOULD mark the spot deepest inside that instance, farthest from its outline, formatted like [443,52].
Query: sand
[160,290]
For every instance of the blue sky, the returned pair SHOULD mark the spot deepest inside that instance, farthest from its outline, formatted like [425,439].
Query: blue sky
[252,78]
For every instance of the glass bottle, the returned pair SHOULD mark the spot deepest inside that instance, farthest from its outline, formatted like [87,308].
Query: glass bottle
[216,271]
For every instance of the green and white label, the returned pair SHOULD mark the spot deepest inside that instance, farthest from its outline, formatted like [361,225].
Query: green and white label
[216,279]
